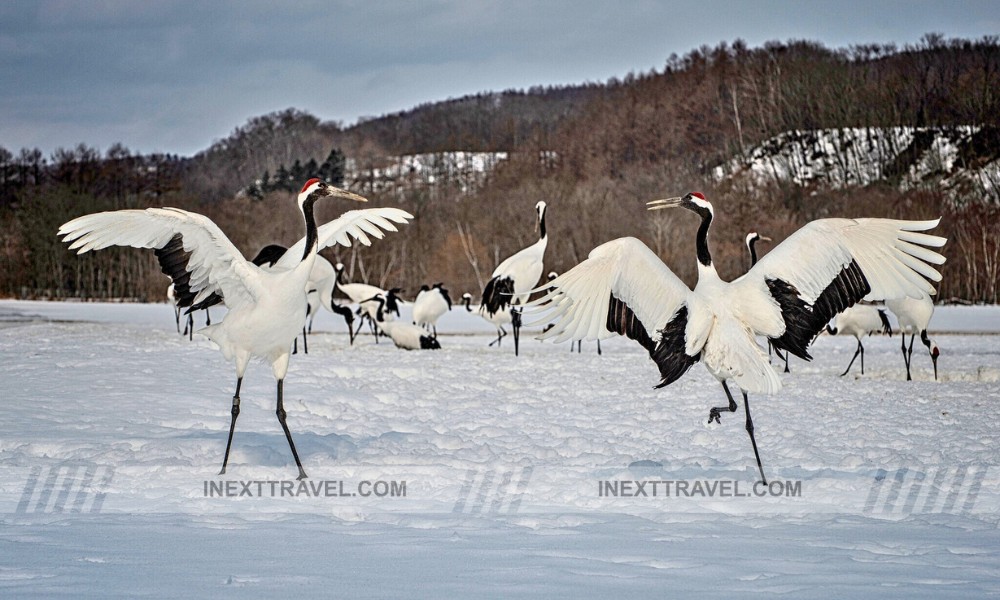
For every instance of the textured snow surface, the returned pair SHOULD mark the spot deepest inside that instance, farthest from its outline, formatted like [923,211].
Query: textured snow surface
[114,426]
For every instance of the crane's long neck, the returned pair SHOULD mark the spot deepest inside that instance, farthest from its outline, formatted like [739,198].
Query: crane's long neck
[752,244]
[704,256]
[707,275]
[541,226]
[312,240]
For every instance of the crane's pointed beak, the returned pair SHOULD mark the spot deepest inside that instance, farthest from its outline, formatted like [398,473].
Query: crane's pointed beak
[934,360]
[666,203]
[764,238]
[346,195]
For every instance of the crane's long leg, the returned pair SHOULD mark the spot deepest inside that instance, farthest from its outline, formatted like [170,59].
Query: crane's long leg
[232,424]
[515,321]
[177,317]
[909,357]
[598,347]
[753,441]
[281,419]
[713,415]
[906,361]
[501,332]
[305,342]
[851,364]
[862,347]
[350,330]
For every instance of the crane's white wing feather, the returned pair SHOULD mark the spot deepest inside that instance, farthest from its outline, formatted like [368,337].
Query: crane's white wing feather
[213,263]
[356,224]
[829,265]
[581,300]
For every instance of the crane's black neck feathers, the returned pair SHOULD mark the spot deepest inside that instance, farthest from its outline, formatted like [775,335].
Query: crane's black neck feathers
[752,244]
[704,256]
[311,234]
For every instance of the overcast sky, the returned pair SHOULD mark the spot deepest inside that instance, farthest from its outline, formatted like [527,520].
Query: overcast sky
[173,75]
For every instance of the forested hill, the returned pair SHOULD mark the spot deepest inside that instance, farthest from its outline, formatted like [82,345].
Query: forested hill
[595,152]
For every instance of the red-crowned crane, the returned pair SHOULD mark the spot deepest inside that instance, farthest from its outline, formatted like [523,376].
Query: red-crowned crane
[431,303]
[497,319]
[513,280]
[860,320]
[914,314]
[267,308]
[788,296]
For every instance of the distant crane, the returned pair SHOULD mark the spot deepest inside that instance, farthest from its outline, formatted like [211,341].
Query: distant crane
[430,305]
[267,308]
[514,278]
[788,296]
[860,320]
[914,314]
[359,292]
[497,319]
[178,311]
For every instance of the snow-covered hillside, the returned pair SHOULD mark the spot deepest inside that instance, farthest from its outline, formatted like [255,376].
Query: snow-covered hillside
[962,161]
[464,170]
[467,472]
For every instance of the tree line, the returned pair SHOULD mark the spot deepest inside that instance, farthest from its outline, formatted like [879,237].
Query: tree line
[594,152]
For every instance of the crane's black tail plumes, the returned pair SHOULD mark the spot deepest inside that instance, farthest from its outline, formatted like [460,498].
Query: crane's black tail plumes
[498,294]
[886,326]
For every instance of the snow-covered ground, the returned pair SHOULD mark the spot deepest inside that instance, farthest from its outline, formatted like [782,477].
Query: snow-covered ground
[467,471]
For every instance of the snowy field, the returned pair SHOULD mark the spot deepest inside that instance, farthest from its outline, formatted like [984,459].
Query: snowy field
[468,472]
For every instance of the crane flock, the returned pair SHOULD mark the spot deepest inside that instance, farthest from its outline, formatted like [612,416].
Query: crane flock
[830,269]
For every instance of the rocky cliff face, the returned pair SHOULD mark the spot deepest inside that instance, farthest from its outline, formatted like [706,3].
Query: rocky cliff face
[963,161]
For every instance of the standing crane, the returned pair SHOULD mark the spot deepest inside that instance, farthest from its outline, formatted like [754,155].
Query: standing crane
[788,296]
[860,320]
[514,278]
[914,314]
[431,303]
[267,308]
[497,319]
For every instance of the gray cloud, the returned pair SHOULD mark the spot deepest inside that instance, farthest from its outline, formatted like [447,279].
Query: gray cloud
[175,75]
